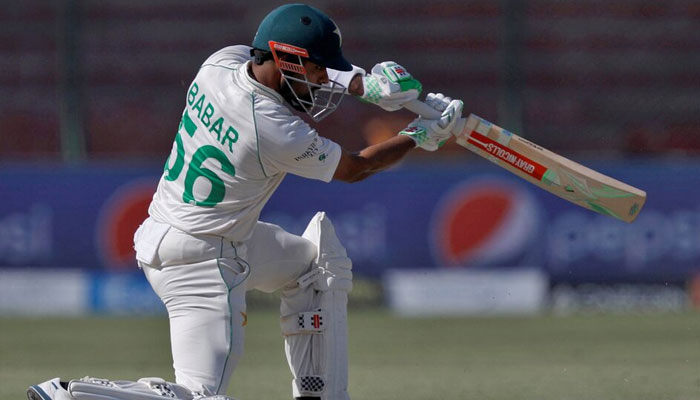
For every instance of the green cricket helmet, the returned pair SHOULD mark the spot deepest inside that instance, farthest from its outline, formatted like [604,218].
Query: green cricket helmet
[303,32]
[307,28]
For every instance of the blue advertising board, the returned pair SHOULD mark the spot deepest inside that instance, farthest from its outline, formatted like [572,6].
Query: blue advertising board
[418,215]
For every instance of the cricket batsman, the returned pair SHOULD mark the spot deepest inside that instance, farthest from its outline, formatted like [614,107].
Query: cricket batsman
[202,246]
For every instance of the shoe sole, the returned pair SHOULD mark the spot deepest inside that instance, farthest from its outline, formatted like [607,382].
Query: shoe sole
[37,393]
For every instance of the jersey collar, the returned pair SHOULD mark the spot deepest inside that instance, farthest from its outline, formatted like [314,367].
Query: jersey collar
[258,87]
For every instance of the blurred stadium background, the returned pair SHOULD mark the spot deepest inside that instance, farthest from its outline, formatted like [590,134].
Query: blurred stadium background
[517,294]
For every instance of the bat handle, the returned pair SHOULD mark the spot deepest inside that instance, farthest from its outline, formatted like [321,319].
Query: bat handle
[424,110]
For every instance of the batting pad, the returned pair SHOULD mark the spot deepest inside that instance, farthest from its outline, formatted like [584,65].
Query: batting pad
[314,320]
[145,389]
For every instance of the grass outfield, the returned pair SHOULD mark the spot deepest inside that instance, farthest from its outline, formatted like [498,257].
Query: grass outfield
[633,357]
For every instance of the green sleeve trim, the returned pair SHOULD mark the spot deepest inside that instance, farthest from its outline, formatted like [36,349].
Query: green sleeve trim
[257,138]
[220,66]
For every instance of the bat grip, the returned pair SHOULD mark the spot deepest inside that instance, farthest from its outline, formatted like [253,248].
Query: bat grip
[422,109]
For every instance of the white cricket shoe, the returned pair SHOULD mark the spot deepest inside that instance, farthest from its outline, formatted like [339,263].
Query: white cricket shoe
[49,390]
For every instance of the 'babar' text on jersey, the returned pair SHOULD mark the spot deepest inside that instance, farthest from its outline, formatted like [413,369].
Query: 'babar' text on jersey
[206,114]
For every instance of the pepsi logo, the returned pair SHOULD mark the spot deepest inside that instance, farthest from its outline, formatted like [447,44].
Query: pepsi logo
[485,222]
[119,218]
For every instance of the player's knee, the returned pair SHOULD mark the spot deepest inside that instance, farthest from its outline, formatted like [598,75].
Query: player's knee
[331,268]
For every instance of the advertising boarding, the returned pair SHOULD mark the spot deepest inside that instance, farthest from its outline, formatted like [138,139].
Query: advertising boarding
[415,216]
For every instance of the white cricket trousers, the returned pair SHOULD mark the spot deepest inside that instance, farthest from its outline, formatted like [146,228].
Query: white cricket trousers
[202,280]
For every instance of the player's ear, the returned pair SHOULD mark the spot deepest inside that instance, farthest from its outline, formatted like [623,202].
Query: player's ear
[260,56]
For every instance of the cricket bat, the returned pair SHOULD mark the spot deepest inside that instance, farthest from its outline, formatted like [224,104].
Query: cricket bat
[550,171]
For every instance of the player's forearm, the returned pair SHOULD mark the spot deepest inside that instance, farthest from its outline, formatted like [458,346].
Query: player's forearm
[382,155]
[358,166]
[356,87]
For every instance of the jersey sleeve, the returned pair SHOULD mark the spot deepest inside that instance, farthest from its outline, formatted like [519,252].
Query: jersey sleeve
[229,56]
[288,144]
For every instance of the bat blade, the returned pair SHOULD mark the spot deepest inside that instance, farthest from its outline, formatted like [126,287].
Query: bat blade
[550,171]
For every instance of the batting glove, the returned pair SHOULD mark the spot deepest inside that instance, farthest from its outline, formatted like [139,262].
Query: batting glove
[431,134]
[389,86]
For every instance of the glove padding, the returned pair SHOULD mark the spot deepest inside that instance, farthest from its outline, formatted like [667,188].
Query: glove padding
[390,86]
[431,134]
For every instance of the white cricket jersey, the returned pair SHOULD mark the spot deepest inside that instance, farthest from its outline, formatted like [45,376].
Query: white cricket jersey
[236,141]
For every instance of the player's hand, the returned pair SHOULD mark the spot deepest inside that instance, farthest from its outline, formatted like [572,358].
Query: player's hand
[389,86]
[431,134]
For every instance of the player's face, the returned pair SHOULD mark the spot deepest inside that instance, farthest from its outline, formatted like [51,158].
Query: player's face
[300,90]
[314,74]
